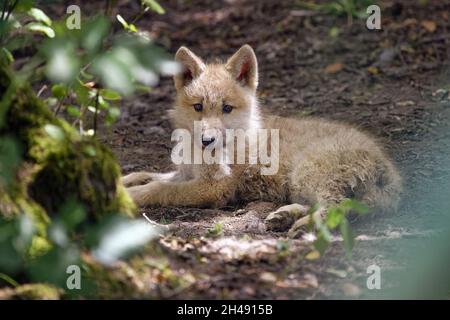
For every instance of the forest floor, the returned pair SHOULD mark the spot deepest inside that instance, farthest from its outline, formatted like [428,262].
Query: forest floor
[392,83]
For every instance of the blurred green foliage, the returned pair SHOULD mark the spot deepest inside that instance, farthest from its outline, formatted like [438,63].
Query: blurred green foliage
[89,71]
[336,218]
[91,68]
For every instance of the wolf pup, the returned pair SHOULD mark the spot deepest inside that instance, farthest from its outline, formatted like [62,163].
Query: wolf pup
[320,162]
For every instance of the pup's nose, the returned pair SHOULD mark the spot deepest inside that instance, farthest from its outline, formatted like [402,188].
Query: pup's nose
[207,140]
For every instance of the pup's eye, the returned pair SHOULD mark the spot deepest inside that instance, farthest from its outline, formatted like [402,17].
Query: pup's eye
[227,108]
[198,107]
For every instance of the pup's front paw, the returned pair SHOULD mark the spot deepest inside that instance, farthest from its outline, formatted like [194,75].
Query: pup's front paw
[284,217]
[137,178]
[300,226]
[279,221]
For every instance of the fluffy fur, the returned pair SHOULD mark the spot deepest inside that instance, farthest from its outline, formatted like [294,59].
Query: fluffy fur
[320,161]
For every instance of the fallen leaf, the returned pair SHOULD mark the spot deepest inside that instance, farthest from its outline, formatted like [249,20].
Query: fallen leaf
[338,273]
[429,25]
[313,255]
[268,277]
[373,70]
[310,280]
[334,68]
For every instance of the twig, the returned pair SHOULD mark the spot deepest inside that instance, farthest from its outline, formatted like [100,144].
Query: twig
[5,4]
[44,87]
[139,16]
[60,103]
[4,12]
[107,7]
[10,10]
[96,111]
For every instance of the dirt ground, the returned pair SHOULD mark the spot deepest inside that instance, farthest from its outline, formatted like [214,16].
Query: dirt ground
[392,83]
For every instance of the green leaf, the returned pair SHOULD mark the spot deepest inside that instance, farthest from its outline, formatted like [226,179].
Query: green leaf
[122,21]
[34,26]
[96,33]
[72,213]
[133,28]
[154,5]
[110,94]
[321,243]
[103,104]
[59,91]
[86,75]
[216,230]
[322,228]
[114,74]
[113,115]
[8,54]
[82,93]
[54,131]
[348,236]
[74,111]
[117,237]
[8,280]
[51,101]
[140,88]
[40,15]
[359,207]
[334,217]
[90,151]
[62,64]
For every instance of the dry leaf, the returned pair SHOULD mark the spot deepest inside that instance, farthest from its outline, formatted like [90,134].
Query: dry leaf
[310,280]
[429,25]
[373,70]
[313,255]
[268,277]
[338,273]
[334,68]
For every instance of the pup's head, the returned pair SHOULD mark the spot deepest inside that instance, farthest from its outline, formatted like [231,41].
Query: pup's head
[219,95]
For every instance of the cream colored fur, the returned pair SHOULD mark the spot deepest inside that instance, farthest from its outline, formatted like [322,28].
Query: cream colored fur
[320,162]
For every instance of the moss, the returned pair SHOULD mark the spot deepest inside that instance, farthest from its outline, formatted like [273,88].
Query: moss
[58,168]
[57,165]
[39,246]
[34,291]
[116,282]
[37,291]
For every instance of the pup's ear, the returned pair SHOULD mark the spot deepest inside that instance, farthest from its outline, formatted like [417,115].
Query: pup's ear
[243,66]
[192,67]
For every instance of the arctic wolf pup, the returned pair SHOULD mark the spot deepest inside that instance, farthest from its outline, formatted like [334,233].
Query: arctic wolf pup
[320,162]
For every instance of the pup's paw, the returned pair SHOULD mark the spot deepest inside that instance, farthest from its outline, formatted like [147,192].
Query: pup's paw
[284,217]
[137,178]
[300,226]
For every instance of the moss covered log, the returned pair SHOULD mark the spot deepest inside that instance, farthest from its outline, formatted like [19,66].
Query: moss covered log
[58,164]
